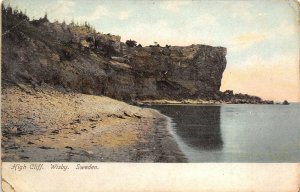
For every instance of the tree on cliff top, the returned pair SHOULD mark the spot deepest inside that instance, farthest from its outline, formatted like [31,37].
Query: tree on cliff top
[131,43]
[44,19]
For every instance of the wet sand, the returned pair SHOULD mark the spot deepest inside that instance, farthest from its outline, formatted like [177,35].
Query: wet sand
[43,124]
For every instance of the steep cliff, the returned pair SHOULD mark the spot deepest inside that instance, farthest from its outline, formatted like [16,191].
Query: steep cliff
[79,59]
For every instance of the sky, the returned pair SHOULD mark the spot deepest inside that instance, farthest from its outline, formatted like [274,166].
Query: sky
[261,36]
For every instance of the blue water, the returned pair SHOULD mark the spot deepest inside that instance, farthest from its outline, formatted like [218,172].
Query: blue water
[236,133]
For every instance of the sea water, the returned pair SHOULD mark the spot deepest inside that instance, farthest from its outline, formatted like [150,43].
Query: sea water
[236,132]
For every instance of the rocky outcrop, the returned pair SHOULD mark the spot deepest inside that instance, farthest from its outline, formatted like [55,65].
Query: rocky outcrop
[285,102]
[177,72]
[78,58]
[229,97]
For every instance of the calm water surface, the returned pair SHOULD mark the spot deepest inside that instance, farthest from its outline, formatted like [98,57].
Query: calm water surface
[236,133]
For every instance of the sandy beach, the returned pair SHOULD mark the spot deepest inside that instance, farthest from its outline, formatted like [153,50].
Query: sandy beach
[44,124]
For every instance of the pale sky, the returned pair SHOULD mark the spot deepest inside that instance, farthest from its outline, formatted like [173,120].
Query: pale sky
[261,36]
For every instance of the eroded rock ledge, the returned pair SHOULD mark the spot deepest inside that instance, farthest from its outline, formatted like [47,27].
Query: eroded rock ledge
[80,59]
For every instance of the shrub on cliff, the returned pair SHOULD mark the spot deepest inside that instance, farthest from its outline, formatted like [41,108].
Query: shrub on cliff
[40,20]
[155,45]
[131,43]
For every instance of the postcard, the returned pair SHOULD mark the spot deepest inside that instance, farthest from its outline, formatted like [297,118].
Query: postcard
[158,95]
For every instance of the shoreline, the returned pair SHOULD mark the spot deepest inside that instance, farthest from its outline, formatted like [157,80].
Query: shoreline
[46,125]
[198,102]
[170,150]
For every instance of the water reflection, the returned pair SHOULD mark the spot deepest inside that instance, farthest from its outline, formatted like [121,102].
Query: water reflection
[236,133]
[197,126]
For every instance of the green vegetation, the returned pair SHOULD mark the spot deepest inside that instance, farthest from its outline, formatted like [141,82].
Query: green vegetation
[14,17]
[131,43]
[155,45]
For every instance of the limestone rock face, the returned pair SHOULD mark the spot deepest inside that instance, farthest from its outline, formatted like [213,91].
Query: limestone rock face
[178,72]
[79,59]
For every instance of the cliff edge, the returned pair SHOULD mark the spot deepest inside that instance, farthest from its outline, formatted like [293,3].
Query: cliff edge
[78,58]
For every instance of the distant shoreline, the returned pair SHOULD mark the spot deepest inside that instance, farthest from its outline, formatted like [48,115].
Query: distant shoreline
[196,102]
